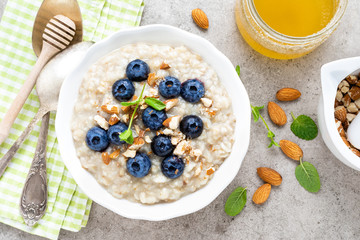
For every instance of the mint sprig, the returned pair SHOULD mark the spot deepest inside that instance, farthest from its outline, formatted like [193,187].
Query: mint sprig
[127,134]
[256,114]
[304,127]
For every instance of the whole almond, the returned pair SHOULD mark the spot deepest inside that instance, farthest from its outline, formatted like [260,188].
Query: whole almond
[340,113]
[288,94]
[200,18]
[262,194]
[292,150]
[277,114]
[269,175]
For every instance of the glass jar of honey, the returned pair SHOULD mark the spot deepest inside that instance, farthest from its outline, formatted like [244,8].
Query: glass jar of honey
[286,29]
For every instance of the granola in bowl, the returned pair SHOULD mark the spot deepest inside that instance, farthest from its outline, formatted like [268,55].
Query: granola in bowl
[175,150]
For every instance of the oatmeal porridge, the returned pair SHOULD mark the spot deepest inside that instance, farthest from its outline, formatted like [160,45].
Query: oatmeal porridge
[180,116]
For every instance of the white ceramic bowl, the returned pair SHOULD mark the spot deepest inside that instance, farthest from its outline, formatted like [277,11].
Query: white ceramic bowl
[331,75]
[159,34]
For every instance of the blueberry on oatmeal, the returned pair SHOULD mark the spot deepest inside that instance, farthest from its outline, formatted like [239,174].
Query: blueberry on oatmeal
[153,119]
[170,87]
[137,70]
[172,166]
[114,132]
[161,145]
[192,90]
[97,139]
[123,89]
[192,126]
[139,166]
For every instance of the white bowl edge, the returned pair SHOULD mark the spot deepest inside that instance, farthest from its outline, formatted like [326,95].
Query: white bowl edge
[222,177]
[331,75]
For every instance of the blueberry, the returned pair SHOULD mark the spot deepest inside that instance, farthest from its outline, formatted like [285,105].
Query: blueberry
[172,166]
[161,145]
[139,166]
[114,132]
[170,87]
[192,90]
[123,89]
[192,126]
[97,139]
[153,119]
[137,70]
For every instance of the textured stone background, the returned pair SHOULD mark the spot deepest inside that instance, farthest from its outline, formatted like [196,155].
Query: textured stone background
[290,212]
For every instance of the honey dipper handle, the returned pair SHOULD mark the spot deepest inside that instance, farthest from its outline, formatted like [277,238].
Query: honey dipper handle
[47,53]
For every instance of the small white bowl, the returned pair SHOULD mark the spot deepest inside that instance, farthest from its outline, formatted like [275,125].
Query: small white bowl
[157,34]
[331,75]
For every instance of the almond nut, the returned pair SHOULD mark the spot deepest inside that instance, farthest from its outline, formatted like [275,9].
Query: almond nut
[164,65]
[105,157]
[200,18]
[262,194]
[269,175]
[170,103]
[151,80]
[352,79]
[172,122]
[340,113]
[354,93]
[292,150]
[288,94]
[110,109]
[115,154]
[114,119]
[277,115]
[346,100]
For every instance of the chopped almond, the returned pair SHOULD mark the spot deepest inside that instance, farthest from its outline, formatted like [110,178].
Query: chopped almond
[110,109]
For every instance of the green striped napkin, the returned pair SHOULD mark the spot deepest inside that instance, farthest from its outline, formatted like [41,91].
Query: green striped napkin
[68,207]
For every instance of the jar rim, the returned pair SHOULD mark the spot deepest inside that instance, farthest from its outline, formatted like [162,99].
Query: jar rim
[342,4]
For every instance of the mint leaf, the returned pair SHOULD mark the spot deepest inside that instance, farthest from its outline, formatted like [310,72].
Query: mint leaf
[235,202]
[127,136]
[130,103]
[238,69]
[308,176]
[304,127]
[155,103]
[256,112]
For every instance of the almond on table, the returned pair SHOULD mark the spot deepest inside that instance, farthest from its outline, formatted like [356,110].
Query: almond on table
[276,114]
[269,175]
[292,150]
[262,194]
[200,18]
[288,94]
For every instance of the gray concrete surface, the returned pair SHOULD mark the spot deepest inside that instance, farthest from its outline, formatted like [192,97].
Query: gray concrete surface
[290,212]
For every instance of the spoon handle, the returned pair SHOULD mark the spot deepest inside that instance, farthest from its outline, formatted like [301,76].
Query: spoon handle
[4,162]
[46,54]
[33,199]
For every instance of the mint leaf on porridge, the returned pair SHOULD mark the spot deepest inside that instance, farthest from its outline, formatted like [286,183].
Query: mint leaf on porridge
[238,69]
[127,136]
[235,202]
[304,127]
[256,114]
[130,103]
[155,103]
[308,176]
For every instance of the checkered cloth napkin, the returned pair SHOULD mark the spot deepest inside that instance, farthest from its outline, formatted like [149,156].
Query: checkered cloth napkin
[68,207]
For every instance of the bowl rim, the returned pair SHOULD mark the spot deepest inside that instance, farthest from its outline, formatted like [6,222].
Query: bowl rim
[159,211]
[332,74]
